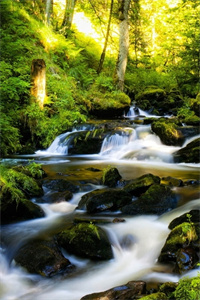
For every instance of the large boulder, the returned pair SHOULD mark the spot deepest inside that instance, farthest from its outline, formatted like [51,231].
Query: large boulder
[15,190]
[188,154]
[158,199]
[104,200]
[110,177]
[168,132]
[43,258]
[86,142]
[140,185]
[86,240]
[182,244]
[20,210]
[60,185]
[151,97]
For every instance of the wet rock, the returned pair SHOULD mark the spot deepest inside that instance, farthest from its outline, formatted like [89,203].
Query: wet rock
[55,197]
[191,216]
[185,236]
[168,132]
[86,240]
[123,292]
[86,142]
[188,154]
[104,200]
[139,185]
[60,185]
[43,258]
[171,181]
[158,199]
[111,177]
[12,210]
[186,259]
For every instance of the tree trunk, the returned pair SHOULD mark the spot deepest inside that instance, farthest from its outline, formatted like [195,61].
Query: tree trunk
[103,54]
[123,42]
[69,12]
[38,81]
[48,11]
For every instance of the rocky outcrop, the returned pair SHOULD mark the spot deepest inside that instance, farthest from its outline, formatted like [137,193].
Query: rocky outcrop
[127,291]
[181,248]
[104,200]
[158,199]
[60,185]
[43,258]
[110,177]
[168,132]
[86,240]
[188,154]
[151,97]
[141,184]
[16,189]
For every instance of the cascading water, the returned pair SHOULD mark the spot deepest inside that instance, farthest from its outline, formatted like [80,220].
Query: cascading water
[136,243]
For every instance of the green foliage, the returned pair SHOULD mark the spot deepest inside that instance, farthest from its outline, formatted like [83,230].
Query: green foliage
[188,288]
[17,184]
[10,136]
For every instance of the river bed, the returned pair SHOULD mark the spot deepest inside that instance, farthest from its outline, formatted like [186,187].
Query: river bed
[140,154]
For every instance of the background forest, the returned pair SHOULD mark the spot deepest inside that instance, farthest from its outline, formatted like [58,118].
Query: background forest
[79,42]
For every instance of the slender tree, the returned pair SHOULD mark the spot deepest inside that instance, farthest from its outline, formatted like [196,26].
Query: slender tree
[69,12]
[103,54]
[48,11]
[123,42]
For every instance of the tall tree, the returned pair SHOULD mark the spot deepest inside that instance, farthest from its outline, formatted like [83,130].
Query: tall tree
[103,54]
[38,81]
[69,12]
[124,6]
[48,11]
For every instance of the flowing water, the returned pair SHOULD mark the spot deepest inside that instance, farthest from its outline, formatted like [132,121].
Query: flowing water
[136,243]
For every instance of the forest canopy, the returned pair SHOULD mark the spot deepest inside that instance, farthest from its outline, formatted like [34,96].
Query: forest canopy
[96,55]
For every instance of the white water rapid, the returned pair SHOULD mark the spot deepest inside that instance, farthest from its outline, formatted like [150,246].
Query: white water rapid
[136,243]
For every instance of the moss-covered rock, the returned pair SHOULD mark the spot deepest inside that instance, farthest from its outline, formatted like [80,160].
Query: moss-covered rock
[15,189]
[109,105]
[188,154]
[20,210]
[43,258]
[104,200]
[171,181]
[192,216]
[139,185]
[86,142]
[158,101]
[168,132]
[182,246]
[86,240]
[110,176]
[156,200]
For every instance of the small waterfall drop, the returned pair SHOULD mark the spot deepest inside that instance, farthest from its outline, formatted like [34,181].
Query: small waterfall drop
[117,140]
[62,142]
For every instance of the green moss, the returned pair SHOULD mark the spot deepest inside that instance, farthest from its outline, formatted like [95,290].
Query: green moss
[188,288]
[155,296]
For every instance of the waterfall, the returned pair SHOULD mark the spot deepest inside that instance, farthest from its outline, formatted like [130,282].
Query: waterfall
[117,140]
[62,142]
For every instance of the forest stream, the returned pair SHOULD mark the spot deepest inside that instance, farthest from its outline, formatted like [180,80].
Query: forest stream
[136,242]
